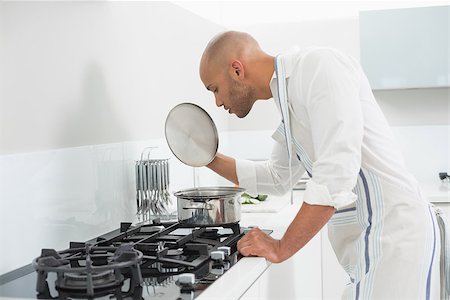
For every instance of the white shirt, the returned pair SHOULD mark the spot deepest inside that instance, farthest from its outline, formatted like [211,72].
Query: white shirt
[335,118]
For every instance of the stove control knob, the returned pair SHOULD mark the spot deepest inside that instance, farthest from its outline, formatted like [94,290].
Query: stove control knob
[186,279]
[217,270]
[187,296]
[217,255]
[225,249]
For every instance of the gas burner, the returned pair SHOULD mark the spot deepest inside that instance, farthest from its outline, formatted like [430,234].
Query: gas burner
[79,281]
[175,254]
[79,276]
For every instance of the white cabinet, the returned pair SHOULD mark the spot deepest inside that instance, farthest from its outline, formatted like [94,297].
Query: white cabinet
[406,48]
[254,292]
[296,278]
[312,273]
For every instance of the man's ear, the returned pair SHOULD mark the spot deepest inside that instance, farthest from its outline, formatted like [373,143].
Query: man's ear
[237,70]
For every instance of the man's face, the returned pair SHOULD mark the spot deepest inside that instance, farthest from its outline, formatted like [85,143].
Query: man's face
[234,95]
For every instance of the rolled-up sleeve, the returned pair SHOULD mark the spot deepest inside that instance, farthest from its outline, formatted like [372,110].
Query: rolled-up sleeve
[330,87]
[270,176]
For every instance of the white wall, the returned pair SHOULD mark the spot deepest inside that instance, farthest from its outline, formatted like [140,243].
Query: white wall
[238,13]
[85,87]
[82,73]
[415,107]
[1,61]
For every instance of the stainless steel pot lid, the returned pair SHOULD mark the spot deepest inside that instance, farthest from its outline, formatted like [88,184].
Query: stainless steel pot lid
[214,192]
[191,134]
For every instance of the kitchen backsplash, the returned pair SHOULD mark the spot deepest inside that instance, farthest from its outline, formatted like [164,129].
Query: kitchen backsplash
[49,198]
[52,197]
[425,149]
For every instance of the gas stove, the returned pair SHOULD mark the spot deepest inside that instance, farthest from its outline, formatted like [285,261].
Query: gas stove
[149,261]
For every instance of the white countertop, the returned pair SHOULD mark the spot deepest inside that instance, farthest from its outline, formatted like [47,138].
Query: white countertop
[272,204]
[234,283]
[436,192]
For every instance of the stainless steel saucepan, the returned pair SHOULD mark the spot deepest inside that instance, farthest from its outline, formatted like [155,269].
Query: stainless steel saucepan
[209,205]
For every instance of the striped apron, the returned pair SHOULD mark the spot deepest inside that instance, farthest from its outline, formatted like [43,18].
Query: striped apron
[388,240]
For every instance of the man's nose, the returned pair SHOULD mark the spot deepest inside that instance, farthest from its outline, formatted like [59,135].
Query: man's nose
[218,102]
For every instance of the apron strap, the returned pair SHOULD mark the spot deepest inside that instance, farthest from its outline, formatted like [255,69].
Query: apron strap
[444,230]
[284,107]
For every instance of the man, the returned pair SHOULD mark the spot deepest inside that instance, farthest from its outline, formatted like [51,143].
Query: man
[382,230]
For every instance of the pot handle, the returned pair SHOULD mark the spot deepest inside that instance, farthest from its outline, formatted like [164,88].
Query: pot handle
[196,208]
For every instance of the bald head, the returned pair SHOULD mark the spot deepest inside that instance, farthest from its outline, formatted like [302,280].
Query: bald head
[227,46]
[237,71]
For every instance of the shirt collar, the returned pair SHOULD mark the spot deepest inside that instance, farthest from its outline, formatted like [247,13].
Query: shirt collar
[288,59]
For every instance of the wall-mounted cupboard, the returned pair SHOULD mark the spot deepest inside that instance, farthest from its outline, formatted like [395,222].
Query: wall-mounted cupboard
[406,48]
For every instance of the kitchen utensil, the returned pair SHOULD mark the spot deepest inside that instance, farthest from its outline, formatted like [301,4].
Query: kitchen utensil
[152,184]
[191,134]
[209,205]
